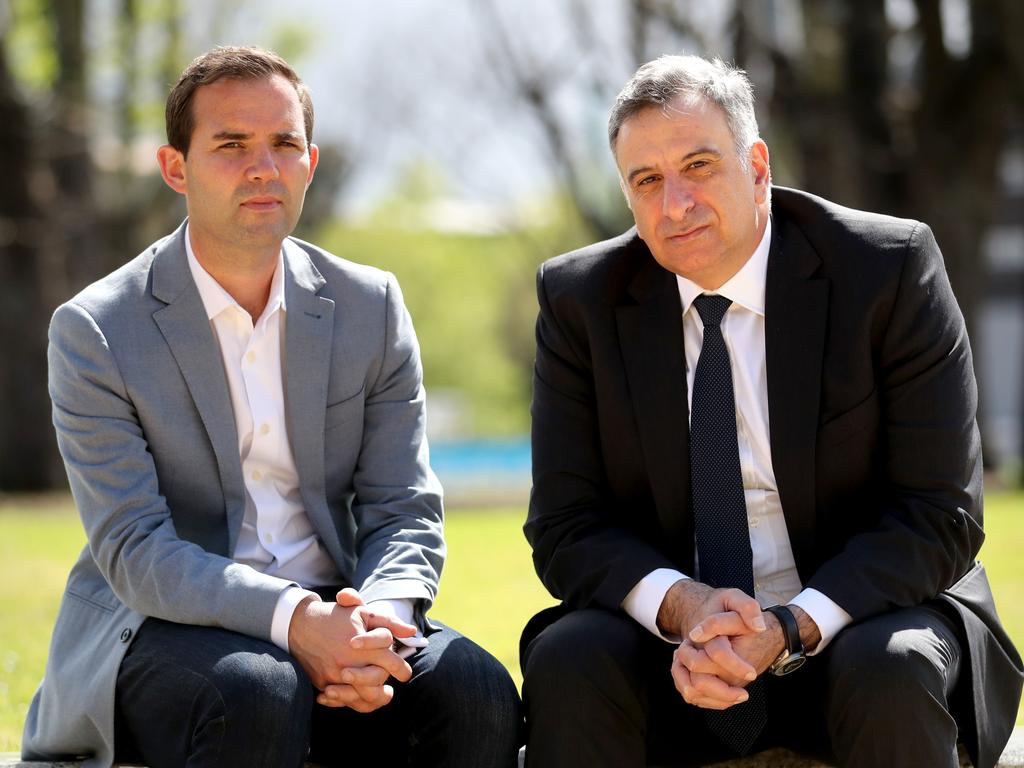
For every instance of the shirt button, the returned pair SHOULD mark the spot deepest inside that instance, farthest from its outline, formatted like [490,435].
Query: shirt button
[256,475]
[250,357]
[757,585]
[270,538]
[264,428]
[753,522]
[126,634]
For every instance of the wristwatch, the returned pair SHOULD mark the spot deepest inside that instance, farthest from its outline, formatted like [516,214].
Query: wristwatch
[792,656]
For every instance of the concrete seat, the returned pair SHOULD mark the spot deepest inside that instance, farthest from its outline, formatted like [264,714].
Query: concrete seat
[1013,757]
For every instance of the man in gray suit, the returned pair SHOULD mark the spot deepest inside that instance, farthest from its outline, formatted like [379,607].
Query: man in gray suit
[241,416]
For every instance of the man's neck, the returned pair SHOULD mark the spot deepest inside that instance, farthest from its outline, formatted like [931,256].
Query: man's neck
[245,275]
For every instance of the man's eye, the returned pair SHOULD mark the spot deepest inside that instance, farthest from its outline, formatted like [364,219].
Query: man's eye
[646,180]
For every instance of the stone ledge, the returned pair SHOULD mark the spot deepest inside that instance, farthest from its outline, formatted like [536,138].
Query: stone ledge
[1013,757]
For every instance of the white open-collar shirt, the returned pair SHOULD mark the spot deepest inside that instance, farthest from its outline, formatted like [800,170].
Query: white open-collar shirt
[776,580]
[277,536]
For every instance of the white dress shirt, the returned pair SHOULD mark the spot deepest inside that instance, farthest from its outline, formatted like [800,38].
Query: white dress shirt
[775,576]
[276,537]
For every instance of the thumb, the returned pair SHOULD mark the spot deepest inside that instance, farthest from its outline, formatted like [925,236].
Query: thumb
[349,598]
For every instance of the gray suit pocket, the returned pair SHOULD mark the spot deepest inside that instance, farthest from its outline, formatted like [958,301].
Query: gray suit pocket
[344,411]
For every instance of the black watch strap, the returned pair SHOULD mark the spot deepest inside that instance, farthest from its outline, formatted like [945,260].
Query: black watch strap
[790,629]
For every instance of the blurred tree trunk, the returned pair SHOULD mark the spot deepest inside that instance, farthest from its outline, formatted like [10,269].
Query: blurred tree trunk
[871,116]
[924,143]
[74,237]
[26,440]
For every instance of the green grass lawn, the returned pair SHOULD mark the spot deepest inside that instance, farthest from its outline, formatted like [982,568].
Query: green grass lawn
[488,590]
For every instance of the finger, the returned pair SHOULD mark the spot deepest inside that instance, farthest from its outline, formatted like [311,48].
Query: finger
[747,607]
[360,677]
[397,627]
[681,678]
[728,664]
[359,698]
[729,624]
[383,696]
[392,663]
[685,683]
[372,639]
[691,657]
[737,672]
[348,597]
[714,692]
[337,695]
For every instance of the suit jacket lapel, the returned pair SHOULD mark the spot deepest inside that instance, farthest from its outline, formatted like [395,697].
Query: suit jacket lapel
[186,329]
[651,340]
[796,316]
[309,336]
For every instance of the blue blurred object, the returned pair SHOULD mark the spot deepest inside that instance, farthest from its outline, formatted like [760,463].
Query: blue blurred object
[483,472]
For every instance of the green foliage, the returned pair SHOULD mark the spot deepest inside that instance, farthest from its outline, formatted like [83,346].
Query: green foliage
[293,40]
[31,52]
[472,301]
[453,286]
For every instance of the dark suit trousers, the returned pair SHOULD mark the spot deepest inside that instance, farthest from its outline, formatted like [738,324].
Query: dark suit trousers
[202,696]
[598,692]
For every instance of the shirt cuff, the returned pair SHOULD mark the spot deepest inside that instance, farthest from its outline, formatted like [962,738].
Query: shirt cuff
[283,612]
[829,617]
[644,600]
[403,609]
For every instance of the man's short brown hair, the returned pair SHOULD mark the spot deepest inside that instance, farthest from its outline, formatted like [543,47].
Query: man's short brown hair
[231,62]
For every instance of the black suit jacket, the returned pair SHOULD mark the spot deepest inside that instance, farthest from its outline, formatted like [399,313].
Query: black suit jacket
[874,443]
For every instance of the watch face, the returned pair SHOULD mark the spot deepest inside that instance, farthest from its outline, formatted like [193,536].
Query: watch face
[789,664]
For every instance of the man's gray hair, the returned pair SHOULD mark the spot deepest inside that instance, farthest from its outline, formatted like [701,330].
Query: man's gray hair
[662,81]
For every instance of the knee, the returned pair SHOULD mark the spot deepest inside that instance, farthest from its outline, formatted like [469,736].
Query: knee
[265,693]
[889,671]
[582,652]
[468,680]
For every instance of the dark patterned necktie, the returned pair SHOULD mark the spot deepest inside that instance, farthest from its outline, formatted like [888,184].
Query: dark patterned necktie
[719,509]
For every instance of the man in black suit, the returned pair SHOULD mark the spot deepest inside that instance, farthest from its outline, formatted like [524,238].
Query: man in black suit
[754,443]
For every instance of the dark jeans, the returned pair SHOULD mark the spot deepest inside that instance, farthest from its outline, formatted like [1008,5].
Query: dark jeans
[202,696]
[598,692]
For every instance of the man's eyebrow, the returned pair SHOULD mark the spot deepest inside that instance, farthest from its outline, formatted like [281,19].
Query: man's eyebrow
[688,156]
[231,136]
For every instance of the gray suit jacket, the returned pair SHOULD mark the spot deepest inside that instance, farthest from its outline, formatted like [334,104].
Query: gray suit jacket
[146,429]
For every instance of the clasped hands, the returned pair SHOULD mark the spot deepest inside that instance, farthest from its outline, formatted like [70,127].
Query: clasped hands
[727,641]
[347,650]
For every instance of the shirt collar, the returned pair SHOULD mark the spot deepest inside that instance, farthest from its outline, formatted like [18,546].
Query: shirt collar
[746,287]
[216,299]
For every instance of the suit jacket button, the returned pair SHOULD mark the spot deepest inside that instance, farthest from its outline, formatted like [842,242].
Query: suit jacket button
[126,635]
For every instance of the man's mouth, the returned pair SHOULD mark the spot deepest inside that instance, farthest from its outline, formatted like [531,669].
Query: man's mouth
[687,234]
[261,203]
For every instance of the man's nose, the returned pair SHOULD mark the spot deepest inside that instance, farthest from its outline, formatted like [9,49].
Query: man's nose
[677,198]
[262,164]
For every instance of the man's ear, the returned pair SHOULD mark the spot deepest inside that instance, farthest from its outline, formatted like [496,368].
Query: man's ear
[172,168]
[314,157]
[760,170]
